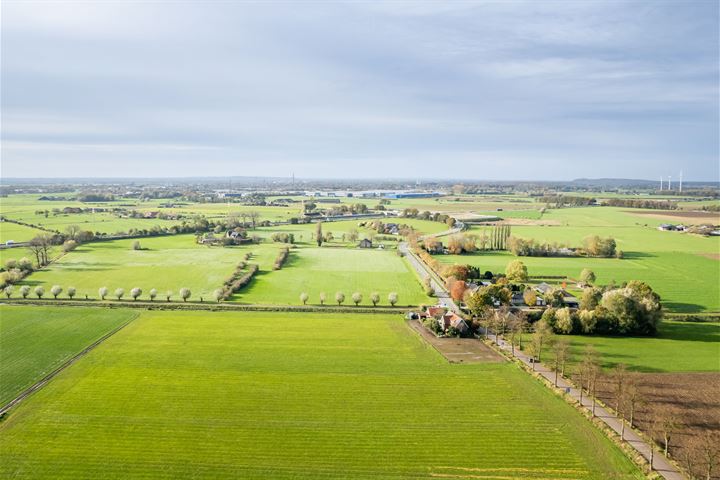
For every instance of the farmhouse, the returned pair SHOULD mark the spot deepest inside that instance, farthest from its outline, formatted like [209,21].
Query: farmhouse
[543,288]
[453,320]
[570,300]
[365,243]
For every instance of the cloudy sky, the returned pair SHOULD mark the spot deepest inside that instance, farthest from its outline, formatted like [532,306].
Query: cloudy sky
[477,90]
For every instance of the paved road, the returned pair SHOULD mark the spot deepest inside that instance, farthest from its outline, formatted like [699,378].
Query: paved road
[660,462]
[442,295]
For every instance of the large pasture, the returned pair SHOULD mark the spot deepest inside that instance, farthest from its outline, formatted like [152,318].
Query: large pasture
[683,268]
[17,233]
[164,263]
[678,347]
[220,395]
[35,341]
[313,270]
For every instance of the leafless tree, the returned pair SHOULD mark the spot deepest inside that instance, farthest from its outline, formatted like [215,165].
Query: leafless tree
[561,351]
[632,399]
[706,446]
[619,377]
[254,216]
[72,232]
[668,422]
[590,367]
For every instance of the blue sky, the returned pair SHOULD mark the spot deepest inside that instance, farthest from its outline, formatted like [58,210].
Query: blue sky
[477,90]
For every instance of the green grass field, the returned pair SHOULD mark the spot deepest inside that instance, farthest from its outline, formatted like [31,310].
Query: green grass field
[218,395]
[165,263]
[17,233]
[678,347]
[36,340]
[314,270]
[680,267]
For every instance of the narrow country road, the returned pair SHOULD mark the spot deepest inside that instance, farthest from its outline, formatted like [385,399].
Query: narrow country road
[442,295]
[660,463]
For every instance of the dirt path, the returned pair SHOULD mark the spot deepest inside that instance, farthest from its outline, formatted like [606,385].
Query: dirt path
[457,350]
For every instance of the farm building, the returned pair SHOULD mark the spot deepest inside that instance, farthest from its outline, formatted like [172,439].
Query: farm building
[365,243]
[543,288]
[453,320]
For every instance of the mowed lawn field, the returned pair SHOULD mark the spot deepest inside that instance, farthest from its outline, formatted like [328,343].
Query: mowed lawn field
[35,341]
[164,263]
[331,269]
[269,395]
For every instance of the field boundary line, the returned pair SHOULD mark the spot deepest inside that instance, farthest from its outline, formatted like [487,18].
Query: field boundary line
[46,379]
[206,306]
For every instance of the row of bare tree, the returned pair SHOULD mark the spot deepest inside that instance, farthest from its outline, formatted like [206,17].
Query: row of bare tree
[700,453]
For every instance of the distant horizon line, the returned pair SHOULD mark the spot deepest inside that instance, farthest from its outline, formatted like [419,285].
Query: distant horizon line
[372,179]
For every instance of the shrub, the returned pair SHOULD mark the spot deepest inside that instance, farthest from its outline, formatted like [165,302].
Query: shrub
[69,246]
[218,294]
[103,292]
[153,293]
[119,293]
[281,258]
[283,237]
[339,298]
[564,321]
[71,292]
[135,293]
[304,298]
[393,298]
[25,265]
[238,280]
[25,291]
[39,291]
[8,291]
[185,294]
[587,321]
[375,298]
[136,245]
[323,298]
[357,298]
[549,317]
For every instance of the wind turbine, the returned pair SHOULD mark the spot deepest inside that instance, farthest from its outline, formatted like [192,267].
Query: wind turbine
[680,190]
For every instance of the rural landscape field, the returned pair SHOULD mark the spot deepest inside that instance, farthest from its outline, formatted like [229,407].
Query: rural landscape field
[398,239]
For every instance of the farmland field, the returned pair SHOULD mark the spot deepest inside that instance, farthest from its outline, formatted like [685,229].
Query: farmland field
[35,341]
[165,263]
[314,270]
[682,268]
[678,347]
[17,233]
[210,395]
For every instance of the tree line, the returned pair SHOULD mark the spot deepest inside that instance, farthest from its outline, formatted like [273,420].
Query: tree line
[356,298]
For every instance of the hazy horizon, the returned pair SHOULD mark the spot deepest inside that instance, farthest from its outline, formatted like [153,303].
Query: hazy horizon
[513,91]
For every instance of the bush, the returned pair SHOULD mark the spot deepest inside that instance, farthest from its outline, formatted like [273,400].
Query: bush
[564,321]
[281,258]
[283,237]
[69,246]
[238,280]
